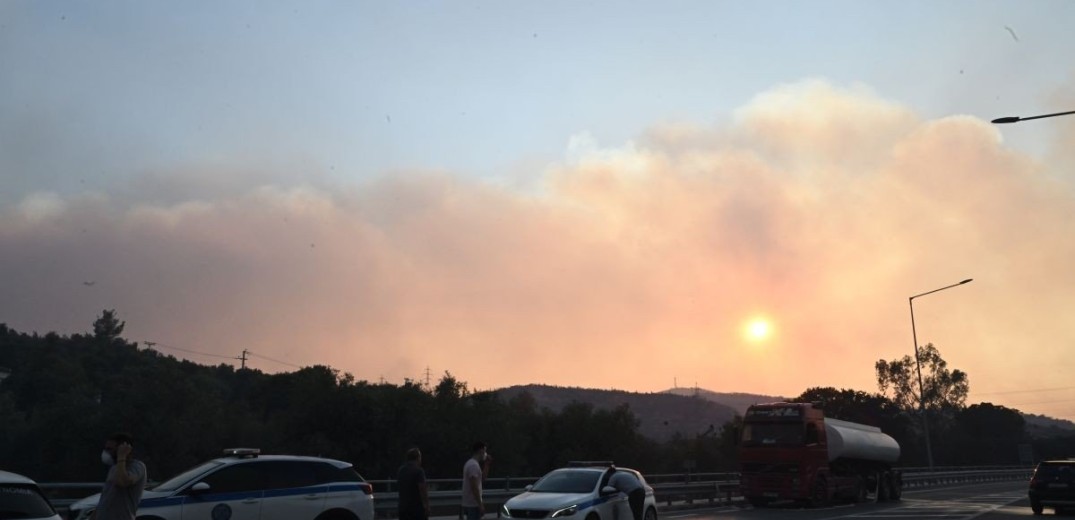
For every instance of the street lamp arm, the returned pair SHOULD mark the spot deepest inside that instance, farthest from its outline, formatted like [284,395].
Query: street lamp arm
[1016,119]
[968,280]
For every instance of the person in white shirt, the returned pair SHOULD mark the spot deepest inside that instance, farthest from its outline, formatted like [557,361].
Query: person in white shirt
[474,471]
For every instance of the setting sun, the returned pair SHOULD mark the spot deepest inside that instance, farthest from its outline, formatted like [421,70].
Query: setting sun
[758,329]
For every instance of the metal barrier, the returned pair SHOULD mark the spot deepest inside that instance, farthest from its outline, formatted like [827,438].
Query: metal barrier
[675,490]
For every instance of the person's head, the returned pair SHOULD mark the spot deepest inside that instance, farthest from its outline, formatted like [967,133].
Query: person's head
[414,455]
[108,454]
[478,450]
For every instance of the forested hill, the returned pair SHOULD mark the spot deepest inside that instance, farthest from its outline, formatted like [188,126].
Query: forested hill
[64,394]
[660,416]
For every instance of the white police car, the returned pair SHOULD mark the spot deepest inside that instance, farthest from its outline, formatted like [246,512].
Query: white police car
[21,498]
[580,491]
[245,485]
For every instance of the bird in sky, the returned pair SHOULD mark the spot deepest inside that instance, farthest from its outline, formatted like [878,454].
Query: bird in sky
[1010,30]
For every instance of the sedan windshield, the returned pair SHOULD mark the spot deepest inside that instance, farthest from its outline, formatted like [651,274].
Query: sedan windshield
[567,481]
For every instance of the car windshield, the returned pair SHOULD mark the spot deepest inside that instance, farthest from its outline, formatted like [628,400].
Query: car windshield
[764,434]
[179,480]
[23,501]
[567,481]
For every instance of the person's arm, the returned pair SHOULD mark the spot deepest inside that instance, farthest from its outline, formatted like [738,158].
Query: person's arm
[474,481]
[123,473]
[423,491]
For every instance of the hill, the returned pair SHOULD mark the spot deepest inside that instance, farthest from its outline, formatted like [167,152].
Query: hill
[738,401]
[1042,427]
[660,415]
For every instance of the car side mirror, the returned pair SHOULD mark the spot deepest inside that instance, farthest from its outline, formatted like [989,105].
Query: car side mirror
[529,487]
[199,488]
[609,490]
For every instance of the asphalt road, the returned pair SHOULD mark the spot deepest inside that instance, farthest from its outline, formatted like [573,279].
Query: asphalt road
[993,501]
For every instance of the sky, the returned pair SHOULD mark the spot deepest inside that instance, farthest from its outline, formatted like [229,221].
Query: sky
[740,196]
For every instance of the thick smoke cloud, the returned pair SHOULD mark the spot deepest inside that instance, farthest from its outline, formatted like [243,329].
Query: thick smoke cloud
[822,208]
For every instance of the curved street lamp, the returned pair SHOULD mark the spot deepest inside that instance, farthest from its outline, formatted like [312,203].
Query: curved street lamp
[1016,119]
[918,365]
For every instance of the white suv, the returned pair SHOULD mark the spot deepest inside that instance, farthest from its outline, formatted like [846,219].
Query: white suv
[581,492]
[21,498]
[244,485]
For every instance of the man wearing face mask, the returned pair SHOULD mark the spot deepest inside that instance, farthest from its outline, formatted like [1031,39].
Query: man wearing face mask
[125,481]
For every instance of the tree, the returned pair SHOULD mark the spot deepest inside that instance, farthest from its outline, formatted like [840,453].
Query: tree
[108,327]
[943,389]
[987,434]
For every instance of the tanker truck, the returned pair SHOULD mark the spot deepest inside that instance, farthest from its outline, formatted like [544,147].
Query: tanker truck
[792,452]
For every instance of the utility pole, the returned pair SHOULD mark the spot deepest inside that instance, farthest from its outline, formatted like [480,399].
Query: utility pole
[243,359]
[150,344]
[427,376]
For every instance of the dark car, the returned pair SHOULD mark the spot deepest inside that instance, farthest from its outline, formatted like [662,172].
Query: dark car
[1053,485]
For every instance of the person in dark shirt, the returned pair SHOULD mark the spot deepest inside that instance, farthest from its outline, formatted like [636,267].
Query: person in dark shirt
[413,491]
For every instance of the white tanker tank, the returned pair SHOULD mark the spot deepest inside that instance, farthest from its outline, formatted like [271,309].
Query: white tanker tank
[850,440]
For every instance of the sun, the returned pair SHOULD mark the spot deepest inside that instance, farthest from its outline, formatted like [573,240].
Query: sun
[758,329]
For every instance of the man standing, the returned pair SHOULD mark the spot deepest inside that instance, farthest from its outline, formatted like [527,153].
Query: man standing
[413,490]
[125,481]
[473,473]
[626,483]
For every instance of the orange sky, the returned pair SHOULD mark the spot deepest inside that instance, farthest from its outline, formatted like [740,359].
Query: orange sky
[625,265]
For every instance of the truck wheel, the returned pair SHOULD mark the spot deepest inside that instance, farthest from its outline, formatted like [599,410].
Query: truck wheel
[861,490]
[819,494]
[882,487]
[896,487]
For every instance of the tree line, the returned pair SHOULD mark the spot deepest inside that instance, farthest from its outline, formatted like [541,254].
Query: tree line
[65,394]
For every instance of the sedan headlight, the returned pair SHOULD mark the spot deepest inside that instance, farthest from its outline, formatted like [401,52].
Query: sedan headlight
[567,511]
[504,511]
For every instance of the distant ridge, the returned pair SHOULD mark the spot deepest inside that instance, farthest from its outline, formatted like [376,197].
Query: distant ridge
[1042,427]
[661,415]
[736,400]
[690,411]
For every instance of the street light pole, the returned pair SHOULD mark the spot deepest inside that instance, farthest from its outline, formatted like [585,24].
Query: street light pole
[918,365]
[1016,119]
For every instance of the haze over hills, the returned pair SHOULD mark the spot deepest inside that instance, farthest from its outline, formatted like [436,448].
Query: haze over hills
[661,414]
[691,411]
[737,400]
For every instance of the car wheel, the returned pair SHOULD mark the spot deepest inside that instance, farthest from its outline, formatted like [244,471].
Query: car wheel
[1036,507]
[593,516]
[651,514]
[337,514]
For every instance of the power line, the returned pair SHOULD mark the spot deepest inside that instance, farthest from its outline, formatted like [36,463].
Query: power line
[170,347]
[271,359]
[1026,391]
[1046,402]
